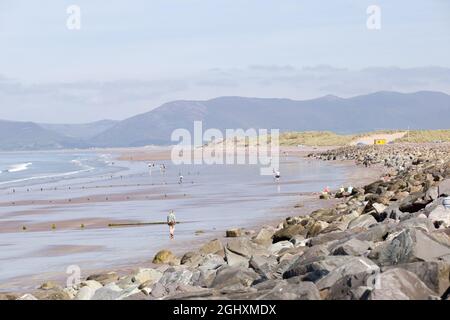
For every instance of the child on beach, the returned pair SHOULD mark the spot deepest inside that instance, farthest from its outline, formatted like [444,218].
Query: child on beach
[171,221]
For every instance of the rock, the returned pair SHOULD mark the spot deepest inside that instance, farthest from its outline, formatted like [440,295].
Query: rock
[354,286]
[444,187]
[316,228]
[85,293]
[203,277]
[94,285]
[264,236]
[104,278]
[178,277]
[288,232]
[27,296]
[245,247]
[298,241]
[264,266]
[375,233]
[435,274]
[363,221]
[235,260]
[284,290]
[211,262]
[191,259]
[8,296]
[400,284]
[147,275]
[440,214]
[128,292]
[379,208]
[278,246]
[233,233]
[213,246]
[71,291]
[49,285]
[110,291]
[410,245]
[352,247]
[353,266]
[158,290]
[52,294]
[234,278]
[316,264]
[329,237]
[164,256]
[423,224]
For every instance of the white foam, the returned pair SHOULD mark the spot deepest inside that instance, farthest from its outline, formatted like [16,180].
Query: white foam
[48,176]
[19,167]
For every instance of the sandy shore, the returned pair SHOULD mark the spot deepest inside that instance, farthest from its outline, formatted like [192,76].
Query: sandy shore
[304,203]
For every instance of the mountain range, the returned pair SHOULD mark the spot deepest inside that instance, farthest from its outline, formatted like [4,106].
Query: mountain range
[375,111]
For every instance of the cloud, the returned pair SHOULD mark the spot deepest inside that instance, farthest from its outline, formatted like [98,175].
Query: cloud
[119,99]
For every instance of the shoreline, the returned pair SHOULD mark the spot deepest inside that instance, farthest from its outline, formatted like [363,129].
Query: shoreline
[310,200]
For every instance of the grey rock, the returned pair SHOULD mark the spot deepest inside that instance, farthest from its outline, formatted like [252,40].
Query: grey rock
[264,266]
[352,247]
[363,221]
[400,284]
[104,278]
[234,277]
[285,290]
[435,274]
[354,266]
[85,293]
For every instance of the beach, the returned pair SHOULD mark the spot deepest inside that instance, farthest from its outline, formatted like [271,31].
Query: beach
[53,224]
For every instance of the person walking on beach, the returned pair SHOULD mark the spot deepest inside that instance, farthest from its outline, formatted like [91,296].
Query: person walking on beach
[276,175]
[171,221]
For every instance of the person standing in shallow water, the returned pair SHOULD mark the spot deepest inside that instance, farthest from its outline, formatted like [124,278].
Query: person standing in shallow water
[171,221]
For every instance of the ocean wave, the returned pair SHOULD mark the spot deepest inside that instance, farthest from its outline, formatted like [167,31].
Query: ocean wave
[57,175]
[18,167]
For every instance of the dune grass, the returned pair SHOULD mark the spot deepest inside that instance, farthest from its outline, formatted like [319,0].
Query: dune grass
[423,136]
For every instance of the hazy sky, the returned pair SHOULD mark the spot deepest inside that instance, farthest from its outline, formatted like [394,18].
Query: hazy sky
[131,56]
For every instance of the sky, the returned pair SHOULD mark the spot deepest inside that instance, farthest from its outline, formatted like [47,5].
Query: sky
[131,56]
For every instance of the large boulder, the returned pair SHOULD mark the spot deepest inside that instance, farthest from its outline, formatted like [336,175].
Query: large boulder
[400,284]
[410,245]
[316,265]
[352,247]
[236,260]
[191,259]
[147,275]
[435,274]
[288,232]
[110,291]
[440,215]
[85,293]
[278,246]
[291,290]
[164,257]
[265,266]
[245,247]
[264,236]
[355,265]
[104,278]
[213,246]
[363,221]
[179,276]
[234,278]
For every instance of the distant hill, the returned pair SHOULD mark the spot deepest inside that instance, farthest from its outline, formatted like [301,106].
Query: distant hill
[30,136]
[365,113]
[80,131]
[377,111]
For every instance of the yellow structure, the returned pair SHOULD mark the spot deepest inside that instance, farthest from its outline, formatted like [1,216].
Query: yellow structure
[379,141]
